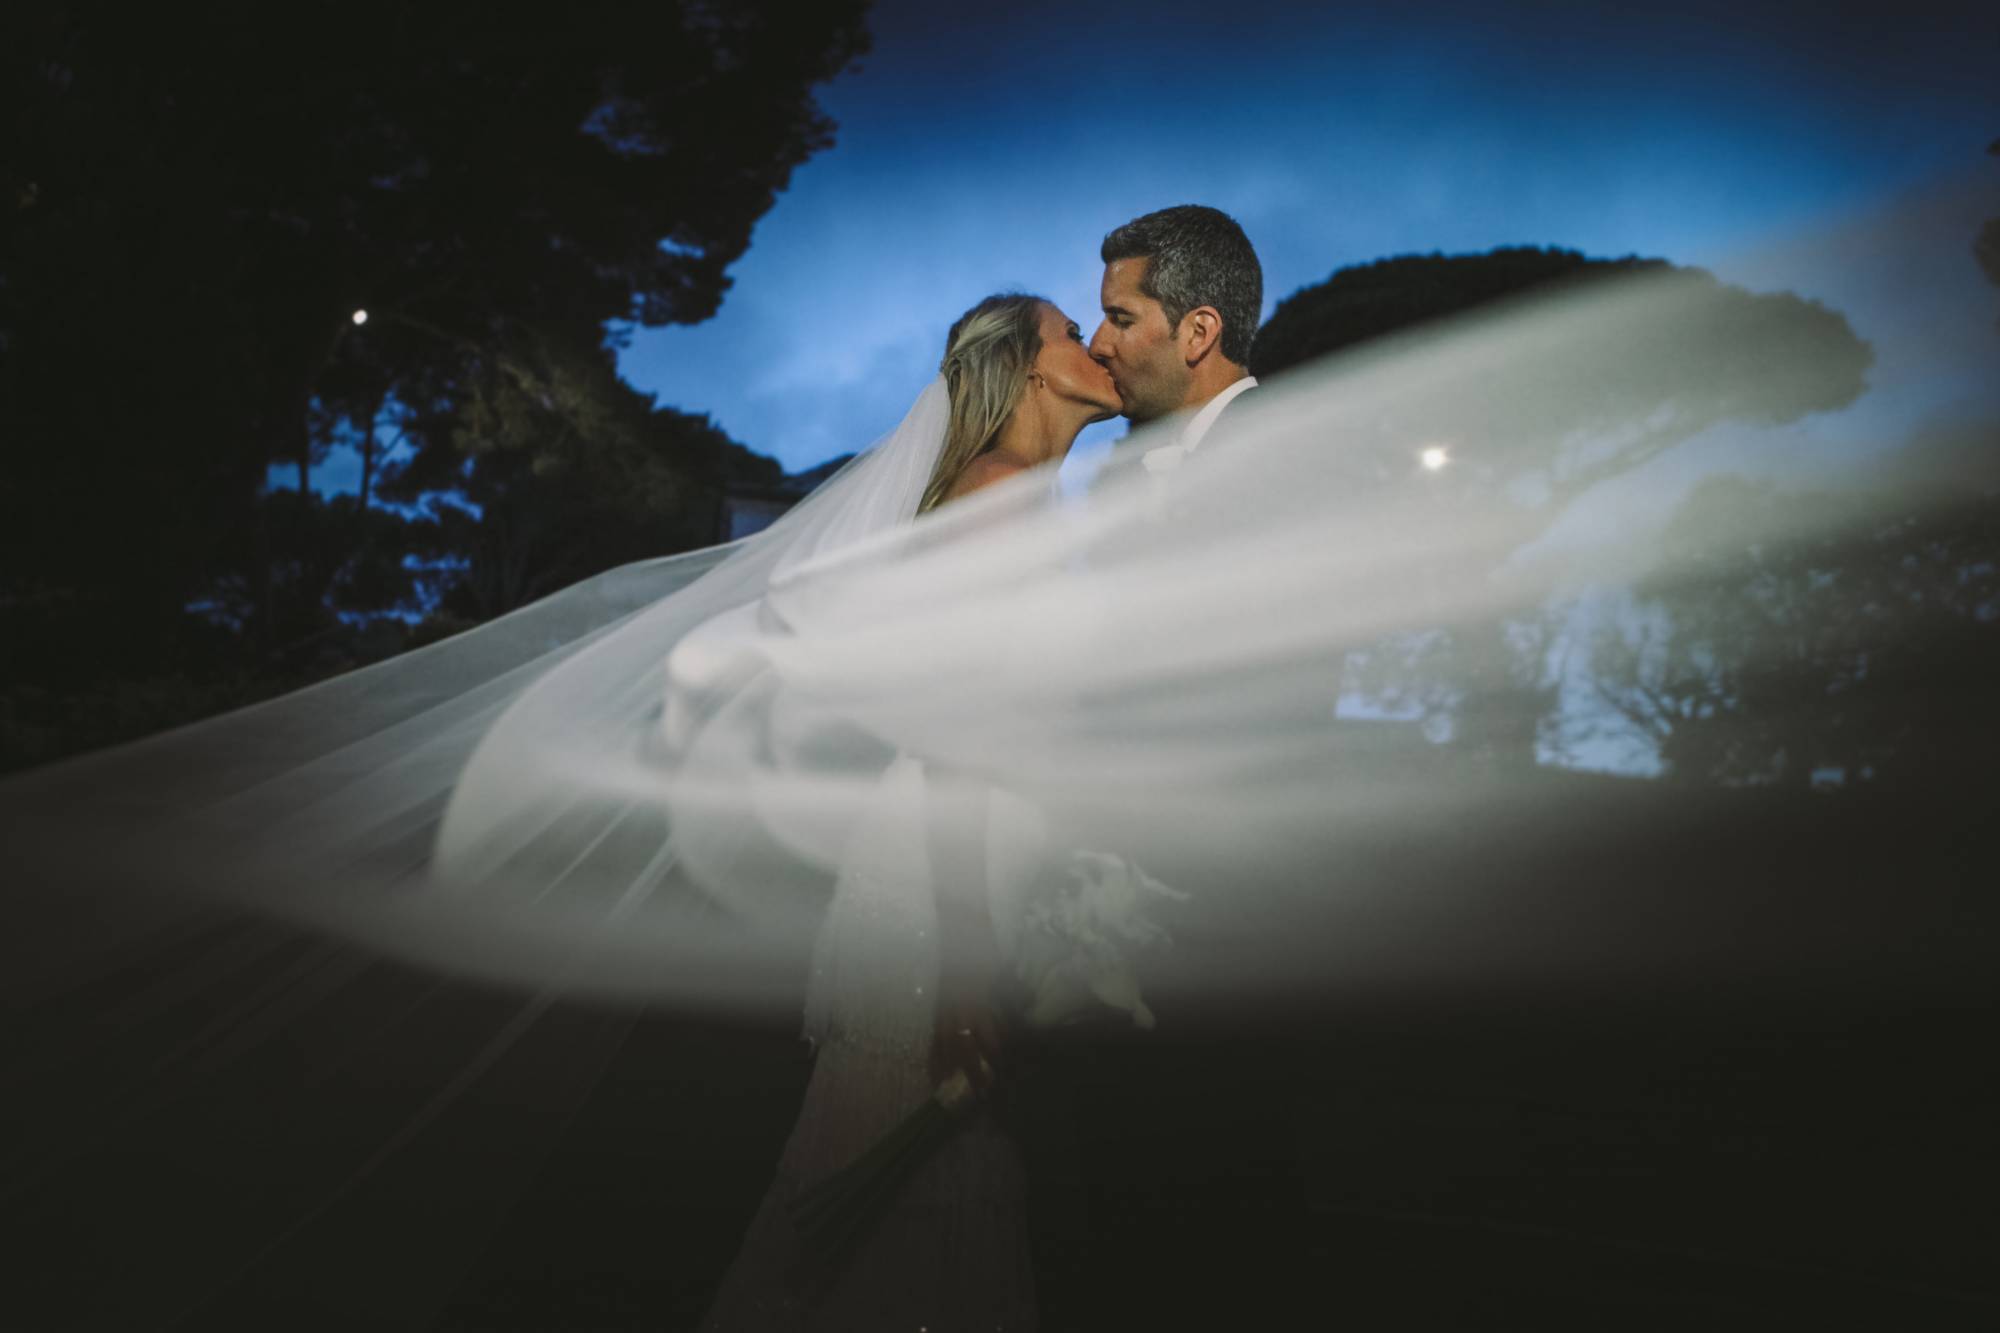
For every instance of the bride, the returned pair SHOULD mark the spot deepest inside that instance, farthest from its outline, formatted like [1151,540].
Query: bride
[905,963]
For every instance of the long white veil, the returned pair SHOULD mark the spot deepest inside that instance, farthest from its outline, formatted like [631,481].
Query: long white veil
[1254,676]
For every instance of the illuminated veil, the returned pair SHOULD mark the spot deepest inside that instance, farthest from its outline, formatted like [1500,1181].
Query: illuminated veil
[643,784]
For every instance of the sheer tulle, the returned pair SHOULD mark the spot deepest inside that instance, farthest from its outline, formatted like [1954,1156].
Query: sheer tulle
[645,785]
[1308,677]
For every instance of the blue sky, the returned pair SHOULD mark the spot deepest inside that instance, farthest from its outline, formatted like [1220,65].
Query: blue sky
[991,150]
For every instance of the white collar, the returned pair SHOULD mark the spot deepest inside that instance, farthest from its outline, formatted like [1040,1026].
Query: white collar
[1167,457]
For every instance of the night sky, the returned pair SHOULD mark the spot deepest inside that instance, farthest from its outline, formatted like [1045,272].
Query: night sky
[992,149]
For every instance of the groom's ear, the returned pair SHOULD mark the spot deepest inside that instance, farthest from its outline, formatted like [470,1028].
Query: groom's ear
[1200,331]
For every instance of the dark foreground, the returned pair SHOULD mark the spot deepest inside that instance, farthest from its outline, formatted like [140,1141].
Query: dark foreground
[227,1123]
[254,1129]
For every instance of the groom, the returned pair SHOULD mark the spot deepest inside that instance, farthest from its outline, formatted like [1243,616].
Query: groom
[1181,293]
[1165,1151]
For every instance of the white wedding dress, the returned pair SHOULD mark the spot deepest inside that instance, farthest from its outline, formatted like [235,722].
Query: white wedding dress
[950,1251]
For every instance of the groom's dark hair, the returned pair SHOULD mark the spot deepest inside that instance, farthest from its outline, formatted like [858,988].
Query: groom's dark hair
[1200,257]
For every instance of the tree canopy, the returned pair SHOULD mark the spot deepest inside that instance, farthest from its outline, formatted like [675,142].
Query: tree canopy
[1716,353]
[1834,636]
[1530,428]
[1841,636]
[195,205]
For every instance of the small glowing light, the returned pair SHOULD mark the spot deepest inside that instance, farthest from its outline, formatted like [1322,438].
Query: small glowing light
[1434,458]
[361,317]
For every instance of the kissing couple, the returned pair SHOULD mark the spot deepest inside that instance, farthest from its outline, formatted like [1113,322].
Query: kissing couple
[916,939]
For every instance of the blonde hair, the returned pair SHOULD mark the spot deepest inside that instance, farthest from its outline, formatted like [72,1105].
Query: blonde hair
[987,358]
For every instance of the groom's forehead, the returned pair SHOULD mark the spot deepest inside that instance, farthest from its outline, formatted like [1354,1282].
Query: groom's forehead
[1120,289]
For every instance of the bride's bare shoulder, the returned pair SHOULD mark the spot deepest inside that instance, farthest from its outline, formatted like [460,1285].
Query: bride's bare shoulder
[984,470]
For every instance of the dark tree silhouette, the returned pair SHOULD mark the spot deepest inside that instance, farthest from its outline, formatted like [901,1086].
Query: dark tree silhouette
[1986,245]
[569,471]
[1530,432]
[195,205]
[1850,635]
[1550,427]
[1830,634]
[1368,301]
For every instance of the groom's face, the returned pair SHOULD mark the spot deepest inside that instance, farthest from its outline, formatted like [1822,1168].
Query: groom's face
[1137,345]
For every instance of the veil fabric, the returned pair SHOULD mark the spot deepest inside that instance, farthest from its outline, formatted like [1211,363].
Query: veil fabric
[357,804]
[644,784]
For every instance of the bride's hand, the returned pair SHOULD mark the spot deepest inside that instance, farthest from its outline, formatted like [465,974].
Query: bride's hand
[969,1034]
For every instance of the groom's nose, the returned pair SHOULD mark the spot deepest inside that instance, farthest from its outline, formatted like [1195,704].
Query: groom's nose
[1100,342]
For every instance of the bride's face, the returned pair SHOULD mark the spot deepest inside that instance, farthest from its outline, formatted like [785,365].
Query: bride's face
[1069,370]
